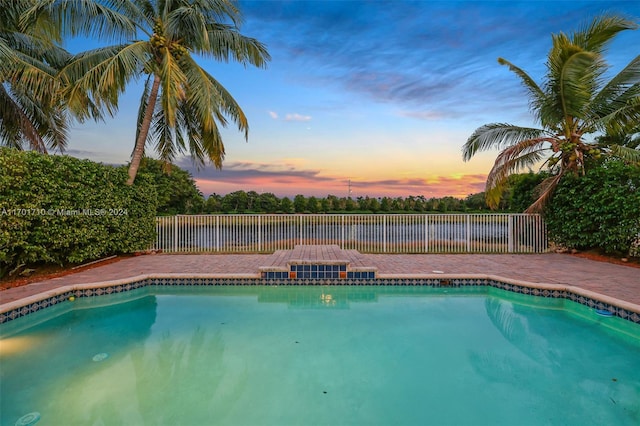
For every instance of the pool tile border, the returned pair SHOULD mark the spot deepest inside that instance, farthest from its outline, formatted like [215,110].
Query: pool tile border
[32,304]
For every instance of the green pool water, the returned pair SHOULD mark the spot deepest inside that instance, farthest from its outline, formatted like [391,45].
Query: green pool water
[320,356]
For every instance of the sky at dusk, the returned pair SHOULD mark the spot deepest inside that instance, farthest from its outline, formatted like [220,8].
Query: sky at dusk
[379,93]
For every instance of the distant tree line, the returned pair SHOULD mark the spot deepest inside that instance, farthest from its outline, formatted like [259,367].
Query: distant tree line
[252,202]
[519,195]
[178,194]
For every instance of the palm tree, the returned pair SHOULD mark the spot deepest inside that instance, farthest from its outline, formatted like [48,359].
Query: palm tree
[30,112]
[182,106]
[33,113]
[572,103]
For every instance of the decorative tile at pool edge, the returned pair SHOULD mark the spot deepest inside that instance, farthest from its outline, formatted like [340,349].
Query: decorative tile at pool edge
[364,280]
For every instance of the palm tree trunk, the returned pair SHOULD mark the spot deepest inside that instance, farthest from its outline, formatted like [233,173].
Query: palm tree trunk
[144,131]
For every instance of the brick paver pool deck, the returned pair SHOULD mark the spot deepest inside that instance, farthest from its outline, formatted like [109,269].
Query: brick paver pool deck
[616,281]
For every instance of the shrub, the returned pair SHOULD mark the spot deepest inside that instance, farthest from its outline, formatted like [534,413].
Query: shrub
[59,209]
[597,210]
[522,191]
[176,189]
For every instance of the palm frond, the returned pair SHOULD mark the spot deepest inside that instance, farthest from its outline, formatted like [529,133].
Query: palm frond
[163,135]
[212,101]
[89,18]
[33,113]
[39,51]
[57,133]
[226,43]
[103,74]
[620,84]
[573,78]
[7,54]
[49,118]
[545,192]
[624,115]
[229,107]
[188,24]
[536,94]
[27,120]
[173,82]
[145,8]
[15,125]
[31,75]
[191,127]
[499,136]
[631,155]
[577,82]
[513,159]
[596,35]
[220,10]
[213,146]
[518,157]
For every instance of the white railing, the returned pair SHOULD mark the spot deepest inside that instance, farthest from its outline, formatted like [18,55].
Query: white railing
[411,233]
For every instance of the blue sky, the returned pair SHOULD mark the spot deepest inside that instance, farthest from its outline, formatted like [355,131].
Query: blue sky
[380,93]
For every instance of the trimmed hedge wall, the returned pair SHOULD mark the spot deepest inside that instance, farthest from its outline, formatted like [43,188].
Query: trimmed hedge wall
[59,209]
[598,210]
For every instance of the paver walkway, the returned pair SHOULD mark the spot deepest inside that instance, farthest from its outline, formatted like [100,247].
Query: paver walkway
[618,281]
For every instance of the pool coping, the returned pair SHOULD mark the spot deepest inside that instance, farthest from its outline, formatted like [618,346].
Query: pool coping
[30,304]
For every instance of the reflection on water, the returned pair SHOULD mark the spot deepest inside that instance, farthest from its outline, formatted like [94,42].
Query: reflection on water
[321,355]
[569,361]
[318,297]
[321,296]
[157,380]
[62,352]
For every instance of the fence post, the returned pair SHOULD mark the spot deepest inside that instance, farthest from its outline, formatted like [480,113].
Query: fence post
[468,232]
[426,233]
[216,232]
[158,236]
[259,234]
[384,233]
[510,233]
[175,233]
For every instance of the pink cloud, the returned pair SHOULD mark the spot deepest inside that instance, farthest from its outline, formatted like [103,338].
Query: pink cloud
[289,181]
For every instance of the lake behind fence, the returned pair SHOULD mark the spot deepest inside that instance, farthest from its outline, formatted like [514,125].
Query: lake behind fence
[377,233]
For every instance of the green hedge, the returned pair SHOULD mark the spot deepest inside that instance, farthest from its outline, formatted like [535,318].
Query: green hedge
[598,210]
[59,209]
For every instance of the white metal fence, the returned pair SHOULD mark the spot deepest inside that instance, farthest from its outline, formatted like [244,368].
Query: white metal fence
[411,233]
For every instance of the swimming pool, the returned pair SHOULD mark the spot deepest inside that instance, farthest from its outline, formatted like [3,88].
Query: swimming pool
[320,355]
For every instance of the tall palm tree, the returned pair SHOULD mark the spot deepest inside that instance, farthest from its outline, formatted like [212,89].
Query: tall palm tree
[573,102]
[182,106]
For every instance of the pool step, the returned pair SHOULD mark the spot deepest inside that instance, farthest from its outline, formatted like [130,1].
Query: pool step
[317,262]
